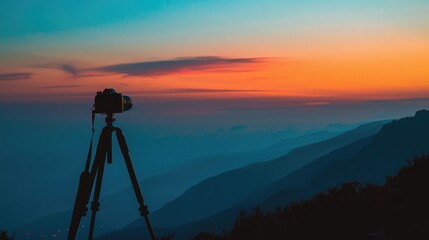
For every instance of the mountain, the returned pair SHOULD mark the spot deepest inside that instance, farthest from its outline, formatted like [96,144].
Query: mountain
[295,184]
[385,154]
[369,160]
[227,189]
[164,187]
[397,210]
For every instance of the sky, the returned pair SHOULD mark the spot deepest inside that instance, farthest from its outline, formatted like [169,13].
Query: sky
[331,50]
[205,76]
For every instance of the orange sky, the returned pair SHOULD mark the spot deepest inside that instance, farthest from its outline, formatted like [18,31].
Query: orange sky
[333,52]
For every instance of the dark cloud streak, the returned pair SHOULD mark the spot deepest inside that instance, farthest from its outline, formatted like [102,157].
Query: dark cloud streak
[194,90]
[15,76]
[177,65]
[66,68]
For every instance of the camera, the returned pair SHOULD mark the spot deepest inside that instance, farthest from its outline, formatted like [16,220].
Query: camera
[109,101]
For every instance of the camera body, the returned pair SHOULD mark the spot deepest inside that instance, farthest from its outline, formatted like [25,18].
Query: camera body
[109,101]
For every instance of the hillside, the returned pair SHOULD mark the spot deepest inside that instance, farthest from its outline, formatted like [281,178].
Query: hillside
[386,153]
[368,160]
[164,187]
[397,210]
[227,189]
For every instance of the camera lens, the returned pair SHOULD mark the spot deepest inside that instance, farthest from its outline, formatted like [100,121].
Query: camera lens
[127,103]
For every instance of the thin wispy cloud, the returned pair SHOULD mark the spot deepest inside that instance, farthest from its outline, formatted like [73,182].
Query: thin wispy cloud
[181,65]
[67,68]
[64,67]
[15,76]
[62,86]
[316,103]
[73,71]
[195,90]
[211,64]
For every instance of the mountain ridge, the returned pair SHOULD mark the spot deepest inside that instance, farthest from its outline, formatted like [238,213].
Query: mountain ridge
[158,185]
[398,141]
[208,192]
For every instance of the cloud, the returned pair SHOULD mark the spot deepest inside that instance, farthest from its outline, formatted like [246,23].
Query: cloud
[179,65]
[195,90]
[15,76]
[162,67]
[316,103]
[62,86]
[66,68]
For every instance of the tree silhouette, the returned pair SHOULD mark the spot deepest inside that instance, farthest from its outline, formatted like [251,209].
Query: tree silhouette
[5,236]
[398,210]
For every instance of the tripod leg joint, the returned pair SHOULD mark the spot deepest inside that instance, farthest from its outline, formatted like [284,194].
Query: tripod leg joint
[84,211]
[144,211]
[95,206]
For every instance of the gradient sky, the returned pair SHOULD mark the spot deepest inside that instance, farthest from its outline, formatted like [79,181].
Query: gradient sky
[215,49]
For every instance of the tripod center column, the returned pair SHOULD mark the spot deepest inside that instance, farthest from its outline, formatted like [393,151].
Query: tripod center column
[110,119]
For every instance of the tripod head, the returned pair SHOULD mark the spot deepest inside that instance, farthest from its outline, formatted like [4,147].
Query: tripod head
[109,119]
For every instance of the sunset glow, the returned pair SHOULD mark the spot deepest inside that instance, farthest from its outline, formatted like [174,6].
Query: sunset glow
[359,50]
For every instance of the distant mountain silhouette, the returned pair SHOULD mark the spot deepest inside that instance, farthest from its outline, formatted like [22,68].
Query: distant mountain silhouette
[160,189]
[227,189]
[368,159]
[294,184]
[385,154]
[163,188]
[397,210]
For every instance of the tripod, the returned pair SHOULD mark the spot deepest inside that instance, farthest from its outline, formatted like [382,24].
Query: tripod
[88,178]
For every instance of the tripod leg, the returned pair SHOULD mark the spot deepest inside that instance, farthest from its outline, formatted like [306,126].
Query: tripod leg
[109,146]
[143,208]
[95,206]
[80,208]
[86,183]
